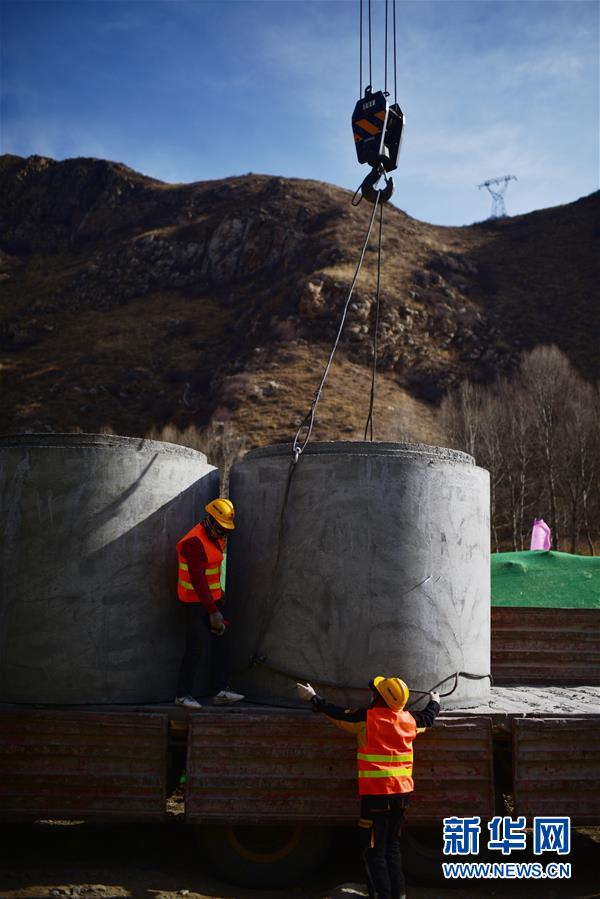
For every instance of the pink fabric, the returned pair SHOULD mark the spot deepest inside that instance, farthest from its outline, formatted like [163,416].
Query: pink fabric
[540,534]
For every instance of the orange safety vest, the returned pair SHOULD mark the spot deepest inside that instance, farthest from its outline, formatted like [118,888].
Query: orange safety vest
[214,557]
[385,762]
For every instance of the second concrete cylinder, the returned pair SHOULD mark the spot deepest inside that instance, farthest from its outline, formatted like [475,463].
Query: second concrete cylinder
[376,562]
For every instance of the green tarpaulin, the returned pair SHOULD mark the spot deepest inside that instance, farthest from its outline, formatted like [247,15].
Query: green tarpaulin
[546,579]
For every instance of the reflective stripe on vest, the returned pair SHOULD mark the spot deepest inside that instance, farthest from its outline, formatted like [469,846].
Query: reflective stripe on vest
[385,762]
[405,771]
[213,583]
[403,757]
[214,556]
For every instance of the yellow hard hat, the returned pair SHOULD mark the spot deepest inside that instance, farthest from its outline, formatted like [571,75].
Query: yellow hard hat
[223,512]
[393,691]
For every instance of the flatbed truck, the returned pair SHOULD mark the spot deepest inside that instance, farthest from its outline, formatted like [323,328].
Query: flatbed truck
[265,786]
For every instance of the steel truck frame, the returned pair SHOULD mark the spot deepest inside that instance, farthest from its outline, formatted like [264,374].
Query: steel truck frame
[266,786]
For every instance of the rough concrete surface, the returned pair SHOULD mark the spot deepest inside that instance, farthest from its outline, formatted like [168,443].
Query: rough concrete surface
[536,700]
[88,526]
[376,562]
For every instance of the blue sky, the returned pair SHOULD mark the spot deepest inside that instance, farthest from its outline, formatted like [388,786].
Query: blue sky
[186,90]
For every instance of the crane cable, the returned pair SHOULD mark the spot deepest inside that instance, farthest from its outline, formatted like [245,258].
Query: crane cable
[417,695]
[395,56]
[369,422]
[360,49]
[385,53]
[370,54]
[299,444]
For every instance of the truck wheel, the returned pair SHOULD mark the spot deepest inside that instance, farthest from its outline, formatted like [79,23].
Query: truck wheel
[264,855]
[422,855]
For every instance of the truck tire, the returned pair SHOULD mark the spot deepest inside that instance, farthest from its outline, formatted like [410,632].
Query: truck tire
[264,855]
[422,855]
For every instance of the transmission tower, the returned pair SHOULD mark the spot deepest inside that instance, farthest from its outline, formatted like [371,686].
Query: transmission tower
[498,207]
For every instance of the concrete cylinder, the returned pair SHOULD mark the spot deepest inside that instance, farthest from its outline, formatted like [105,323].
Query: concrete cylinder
[376,563]
[88,527]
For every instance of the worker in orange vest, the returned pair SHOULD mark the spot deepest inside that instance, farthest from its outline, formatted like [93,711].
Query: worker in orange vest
[385,733]
[200,557]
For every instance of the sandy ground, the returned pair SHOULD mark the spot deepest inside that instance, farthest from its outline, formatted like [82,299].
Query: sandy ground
[161,862]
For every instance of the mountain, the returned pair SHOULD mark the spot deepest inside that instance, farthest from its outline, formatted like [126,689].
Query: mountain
[131,303]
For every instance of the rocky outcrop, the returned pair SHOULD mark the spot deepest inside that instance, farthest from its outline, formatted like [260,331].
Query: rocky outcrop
[210,253]
[106,273]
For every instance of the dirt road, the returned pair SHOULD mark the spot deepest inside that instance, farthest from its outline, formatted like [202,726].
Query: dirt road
[161,862]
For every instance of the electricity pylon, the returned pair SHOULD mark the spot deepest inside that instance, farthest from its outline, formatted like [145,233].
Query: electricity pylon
[498,207]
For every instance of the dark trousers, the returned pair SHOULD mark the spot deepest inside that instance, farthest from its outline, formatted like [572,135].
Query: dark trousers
[196,625]
[380,822]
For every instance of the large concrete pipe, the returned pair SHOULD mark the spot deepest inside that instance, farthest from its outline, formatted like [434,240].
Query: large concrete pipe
[376,563]
[88,568]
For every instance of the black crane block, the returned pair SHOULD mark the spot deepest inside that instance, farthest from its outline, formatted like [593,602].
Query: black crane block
[377,129]
[393,136]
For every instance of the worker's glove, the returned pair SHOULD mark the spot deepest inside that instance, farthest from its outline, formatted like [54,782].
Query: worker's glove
[217,625]
[305,692]
[435,696]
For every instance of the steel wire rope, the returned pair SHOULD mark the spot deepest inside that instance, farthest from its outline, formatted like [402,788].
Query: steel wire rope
[299,678]
[297,449]
[360,51]
[309,419]
[466,674]
[385,54]
[298,446]
[395,77]
[370,54]
[369,422]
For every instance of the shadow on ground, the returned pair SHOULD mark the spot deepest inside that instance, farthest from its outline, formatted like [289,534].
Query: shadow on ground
[150,861]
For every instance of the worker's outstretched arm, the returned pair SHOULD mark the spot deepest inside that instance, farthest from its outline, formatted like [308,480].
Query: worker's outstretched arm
[337,712]
[429,713]
[351,720]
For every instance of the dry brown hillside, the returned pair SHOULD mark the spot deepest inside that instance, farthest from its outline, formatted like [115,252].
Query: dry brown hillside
[131,303]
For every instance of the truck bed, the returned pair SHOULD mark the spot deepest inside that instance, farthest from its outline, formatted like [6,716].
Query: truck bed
[510,701]
[257,764]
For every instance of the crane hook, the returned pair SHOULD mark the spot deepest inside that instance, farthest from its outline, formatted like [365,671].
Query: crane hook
[370,192]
